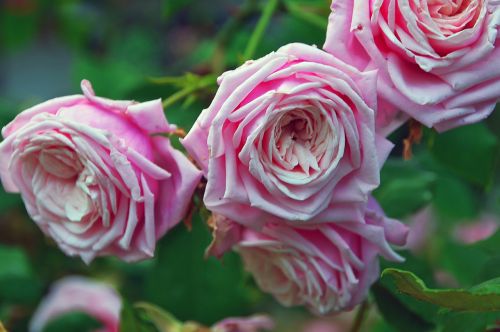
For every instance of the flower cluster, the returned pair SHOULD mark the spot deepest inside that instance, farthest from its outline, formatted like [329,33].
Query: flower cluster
[291,148]
[291,156]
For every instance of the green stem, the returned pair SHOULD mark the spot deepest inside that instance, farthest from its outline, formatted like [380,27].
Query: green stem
[306,16]
[203,83]
[260,28]
[360,317]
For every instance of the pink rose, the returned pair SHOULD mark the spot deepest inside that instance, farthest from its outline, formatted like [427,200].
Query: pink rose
[438,60]
[287,135]
[93,175]
[248,324]
[469,233]
[77,294]
[327,266]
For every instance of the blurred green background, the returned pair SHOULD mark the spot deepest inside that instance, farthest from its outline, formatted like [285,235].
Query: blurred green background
[48,46]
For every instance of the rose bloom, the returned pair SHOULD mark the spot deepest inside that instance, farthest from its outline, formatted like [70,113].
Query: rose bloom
[438,61]
[77,294]
[287,135]
[95,177]
[326,266]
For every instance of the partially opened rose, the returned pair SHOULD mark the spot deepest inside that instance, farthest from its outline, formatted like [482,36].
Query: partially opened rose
[95,176]
[78,294]
[438,61]
[287,135]
[326,266]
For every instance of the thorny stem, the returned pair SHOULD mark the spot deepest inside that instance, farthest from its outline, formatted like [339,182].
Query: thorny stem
[360,317]
[260,28]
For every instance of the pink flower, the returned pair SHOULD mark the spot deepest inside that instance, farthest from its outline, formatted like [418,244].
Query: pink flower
[247,324]
[93,175]
[77,294]
[482,229]
[438,60]
[287,135]
[327,266]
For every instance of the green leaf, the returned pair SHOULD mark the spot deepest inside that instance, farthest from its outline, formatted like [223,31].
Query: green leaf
[74,322]
[484,297]
[468,321]
[404,188]
[396,313]
[470,152]
[421,267]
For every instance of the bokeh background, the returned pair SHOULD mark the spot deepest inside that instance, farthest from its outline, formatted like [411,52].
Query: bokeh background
[48,46]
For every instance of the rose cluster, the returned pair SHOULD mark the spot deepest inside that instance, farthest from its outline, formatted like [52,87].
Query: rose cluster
[291,155]
[291,149]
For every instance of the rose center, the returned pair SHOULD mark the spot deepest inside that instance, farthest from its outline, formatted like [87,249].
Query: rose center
[453,16]
[60,162]
[63,185]
[299,138]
